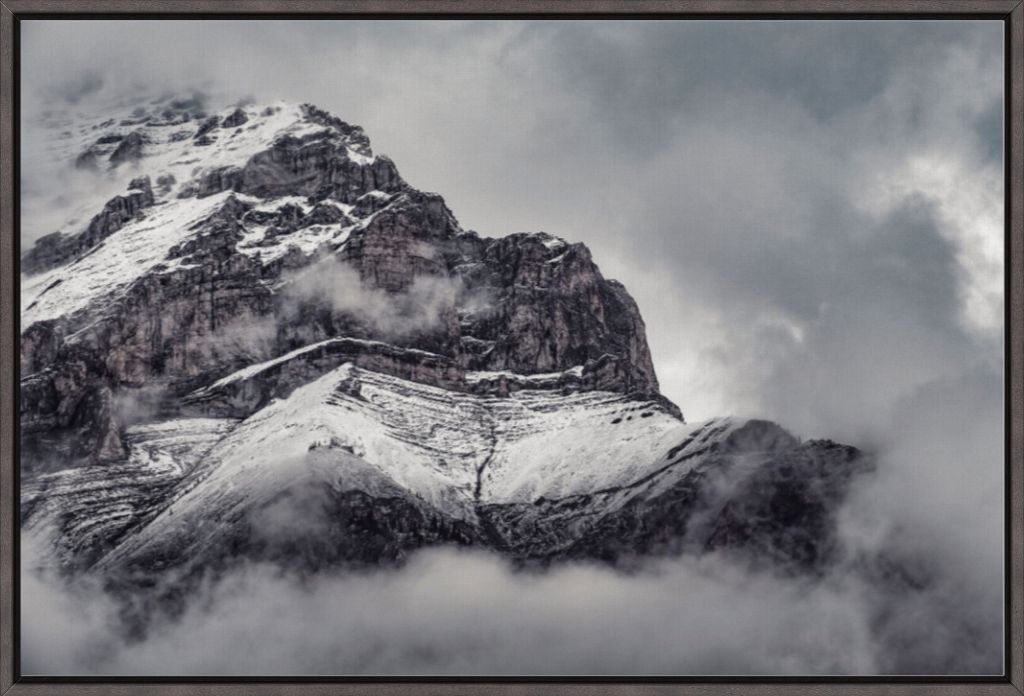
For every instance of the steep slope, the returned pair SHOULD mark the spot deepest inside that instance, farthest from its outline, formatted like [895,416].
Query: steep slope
[272,347]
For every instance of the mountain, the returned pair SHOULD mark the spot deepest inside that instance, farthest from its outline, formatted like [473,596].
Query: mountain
[269,346]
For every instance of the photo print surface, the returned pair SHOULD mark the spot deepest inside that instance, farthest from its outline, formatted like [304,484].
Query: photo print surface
[511,348]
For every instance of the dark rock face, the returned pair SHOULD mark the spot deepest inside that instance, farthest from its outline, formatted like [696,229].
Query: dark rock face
[408,239]
[129,149]
[234,119]
[317,166]
[551,309]
[69,411]
[206,126]
[165,183]
[353,134]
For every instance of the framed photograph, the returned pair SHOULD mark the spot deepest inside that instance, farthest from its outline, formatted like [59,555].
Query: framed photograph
[583,347]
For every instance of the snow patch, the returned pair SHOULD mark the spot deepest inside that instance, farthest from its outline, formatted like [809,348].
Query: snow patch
[113,264]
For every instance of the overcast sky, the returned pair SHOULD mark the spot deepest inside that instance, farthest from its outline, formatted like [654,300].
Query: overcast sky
[809,214]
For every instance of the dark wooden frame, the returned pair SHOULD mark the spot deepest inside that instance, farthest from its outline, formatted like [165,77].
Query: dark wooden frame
[1010,11]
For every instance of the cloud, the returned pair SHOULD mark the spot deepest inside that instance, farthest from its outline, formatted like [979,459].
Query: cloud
[470,613]
[78,86]
[454,612]
[428,303]
[934,511]
[244,340]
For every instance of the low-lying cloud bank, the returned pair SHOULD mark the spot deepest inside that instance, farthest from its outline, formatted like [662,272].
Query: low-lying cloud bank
[468,613]
[450,612]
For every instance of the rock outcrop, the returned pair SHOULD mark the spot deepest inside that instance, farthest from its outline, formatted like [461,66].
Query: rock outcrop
[129,148]
[57,249]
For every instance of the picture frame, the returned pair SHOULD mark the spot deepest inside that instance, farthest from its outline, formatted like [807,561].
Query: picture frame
[1011,12]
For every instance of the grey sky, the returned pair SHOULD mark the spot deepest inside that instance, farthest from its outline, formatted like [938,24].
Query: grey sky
[809,214]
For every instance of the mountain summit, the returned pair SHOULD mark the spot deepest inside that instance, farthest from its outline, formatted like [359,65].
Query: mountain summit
[270,346]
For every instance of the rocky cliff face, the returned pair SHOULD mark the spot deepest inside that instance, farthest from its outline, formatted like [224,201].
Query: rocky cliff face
[284,351]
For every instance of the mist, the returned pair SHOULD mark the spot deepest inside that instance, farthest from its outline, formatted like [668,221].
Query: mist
[422,307]
[810,217]
[450,612]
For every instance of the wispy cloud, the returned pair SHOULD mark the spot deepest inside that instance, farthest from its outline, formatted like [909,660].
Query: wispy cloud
[426,305]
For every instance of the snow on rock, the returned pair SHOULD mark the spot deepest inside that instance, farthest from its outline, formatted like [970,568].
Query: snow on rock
[487,375]
[459,455]
[79,512]
[128,254]
[435,442]
[549,445]
[174,155]
[348,430]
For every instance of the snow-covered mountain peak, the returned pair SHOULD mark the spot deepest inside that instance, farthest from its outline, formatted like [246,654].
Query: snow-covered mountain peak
[291,203]
[90,140]
[262,342]
[173,140]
